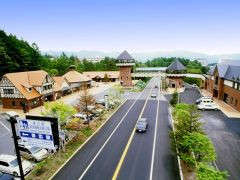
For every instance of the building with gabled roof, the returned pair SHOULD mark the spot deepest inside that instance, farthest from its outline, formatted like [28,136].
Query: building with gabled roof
[26,90]
[61,87]
[77,80]
[176,67]
[99,76]
[223,82]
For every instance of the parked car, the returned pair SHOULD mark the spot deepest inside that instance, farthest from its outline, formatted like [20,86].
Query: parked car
[83,116]
[141,125]
[100,101]
[6,176]
[9,114]
[153,95]
[9,164]
[195,86]
[207,105]
[203,98]
[32,152]
[97,112]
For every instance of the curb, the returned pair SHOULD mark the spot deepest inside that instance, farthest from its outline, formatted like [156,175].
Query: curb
[178,158]
[88,139]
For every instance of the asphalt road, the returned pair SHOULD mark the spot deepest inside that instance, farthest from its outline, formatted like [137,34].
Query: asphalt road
[224,133]
[138,161]
[99,158]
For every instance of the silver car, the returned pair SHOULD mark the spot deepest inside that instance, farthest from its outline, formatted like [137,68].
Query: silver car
[31,152]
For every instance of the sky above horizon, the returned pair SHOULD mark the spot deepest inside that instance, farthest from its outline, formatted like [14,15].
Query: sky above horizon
[205,26]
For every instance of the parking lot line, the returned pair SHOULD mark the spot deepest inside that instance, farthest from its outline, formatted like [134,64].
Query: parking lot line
[5,126]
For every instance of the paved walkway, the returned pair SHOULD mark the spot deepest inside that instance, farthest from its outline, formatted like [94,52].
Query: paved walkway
[229,111]
[66,99]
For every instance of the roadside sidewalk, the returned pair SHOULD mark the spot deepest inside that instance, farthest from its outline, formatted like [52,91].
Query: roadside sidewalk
[225,108]
[66,99]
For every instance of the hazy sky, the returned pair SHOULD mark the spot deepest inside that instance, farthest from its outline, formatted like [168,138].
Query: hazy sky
[209,26]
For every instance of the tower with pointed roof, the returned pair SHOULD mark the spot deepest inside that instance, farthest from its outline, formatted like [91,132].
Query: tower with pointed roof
[125,64]
[174,74]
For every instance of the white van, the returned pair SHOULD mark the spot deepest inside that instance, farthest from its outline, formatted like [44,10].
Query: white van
[207,104]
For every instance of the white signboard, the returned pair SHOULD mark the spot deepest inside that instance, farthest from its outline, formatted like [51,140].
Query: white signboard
[36,133]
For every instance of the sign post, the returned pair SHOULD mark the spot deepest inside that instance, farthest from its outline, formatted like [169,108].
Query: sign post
[13,122]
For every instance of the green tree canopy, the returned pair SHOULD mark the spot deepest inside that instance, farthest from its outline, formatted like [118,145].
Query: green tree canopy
[60,110]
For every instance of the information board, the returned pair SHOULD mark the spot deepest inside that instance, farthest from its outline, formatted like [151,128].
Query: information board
[36,132]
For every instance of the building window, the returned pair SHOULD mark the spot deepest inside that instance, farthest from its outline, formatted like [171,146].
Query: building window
[8,91]
[237,86]
[233,85]
[13,103]
[236,102]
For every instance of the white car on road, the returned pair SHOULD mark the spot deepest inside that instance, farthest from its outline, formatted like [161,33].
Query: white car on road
[9,164]
[207,104]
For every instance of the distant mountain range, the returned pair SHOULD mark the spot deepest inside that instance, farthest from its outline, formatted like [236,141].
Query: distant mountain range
[149,55]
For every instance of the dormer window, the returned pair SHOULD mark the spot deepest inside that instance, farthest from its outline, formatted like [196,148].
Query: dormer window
[29,89]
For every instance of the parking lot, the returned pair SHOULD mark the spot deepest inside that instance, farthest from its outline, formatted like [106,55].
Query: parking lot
[224,133]
[6,142]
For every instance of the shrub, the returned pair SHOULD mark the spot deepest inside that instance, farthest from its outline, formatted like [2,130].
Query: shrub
[200,145]
[60,110]
[174,99]
[141,84]
[40,168]
[194,71]
[191,80]
[205,171]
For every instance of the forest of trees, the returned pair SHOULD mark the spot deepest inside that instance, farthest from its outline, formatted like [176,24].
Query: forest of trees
[192,66]
[18,55]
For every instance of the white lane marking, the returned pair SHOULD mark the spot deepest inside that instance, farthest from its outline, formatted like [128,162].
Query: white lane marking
[154,141]
[5,126]
[100,150]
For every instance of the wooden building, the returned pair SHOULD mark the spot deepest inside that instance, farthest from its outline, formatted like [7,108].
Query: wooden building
[101,76]
[26,90]
[223,82]
[61,87]
[76,80]
[125,64]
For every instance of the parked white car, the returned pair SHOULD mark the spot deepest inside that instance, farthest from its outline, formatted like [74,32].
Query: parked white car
[203,98]
[9,164]
[207,105]
[32,152]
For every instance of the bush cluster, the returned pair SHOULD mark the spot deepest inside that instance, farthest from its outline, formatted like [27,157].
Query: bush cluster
[174,99]
[191,80]
[194,147]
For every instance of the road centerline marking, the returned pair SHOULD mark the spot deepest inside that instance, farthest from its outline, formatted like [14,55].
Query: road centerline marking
[117,170]
[100,150]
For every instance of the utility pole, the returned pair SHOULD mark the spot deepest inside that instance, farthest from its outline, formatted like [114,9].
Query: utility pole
[13,121]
